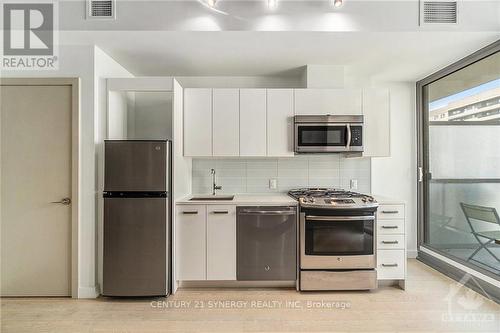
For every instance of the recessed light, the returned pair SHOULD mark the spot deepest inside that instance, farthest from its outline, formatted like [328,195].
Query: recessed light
[272,4]
[337,3]
[211,3]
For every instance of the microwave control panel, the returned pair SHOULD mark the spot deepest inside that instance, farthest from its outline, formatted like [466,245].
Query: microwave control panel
[356,135]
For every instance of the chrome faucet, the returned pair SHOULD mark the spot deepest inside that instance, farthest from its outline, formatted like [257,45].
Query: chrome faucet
[215,187]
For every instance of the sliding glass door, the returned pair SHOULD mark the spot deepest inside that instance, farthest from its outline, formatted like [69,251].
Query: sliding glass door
[459,158]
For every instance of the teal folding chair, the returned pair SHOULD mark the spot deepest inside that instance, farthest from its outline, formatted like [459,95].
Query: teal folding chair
[484,238]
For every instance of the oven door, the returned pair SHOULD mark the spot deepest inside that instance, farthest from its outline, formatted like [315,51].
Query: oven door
[322,137]
[337,242]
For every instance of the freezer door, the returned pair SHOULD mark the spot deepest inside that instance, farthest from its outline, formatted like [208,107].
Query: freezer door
[135,247]
[135,166]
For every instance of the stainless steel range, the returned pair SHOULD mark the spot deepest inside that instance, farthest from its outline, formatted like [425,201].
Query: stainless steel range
[337,239]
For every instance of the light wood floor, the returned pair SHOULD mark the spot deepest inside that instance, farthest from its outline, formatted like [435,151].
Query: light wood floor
[426,306]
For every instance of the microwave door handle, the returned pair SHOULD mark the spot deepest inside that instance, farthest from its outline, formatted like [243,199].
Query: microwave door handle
[349,134]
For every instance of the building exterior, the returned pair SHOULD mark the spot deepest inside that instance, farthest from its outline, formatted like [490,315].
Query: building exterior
[484,106]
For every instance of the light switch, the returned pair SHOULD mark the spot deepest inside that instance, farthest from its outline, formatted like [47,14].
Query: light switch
[273,184]
[353,184]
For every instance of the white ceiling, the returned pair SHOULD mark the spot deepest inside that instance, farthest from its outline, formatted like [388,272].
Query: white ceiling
[381,39]
[400,56]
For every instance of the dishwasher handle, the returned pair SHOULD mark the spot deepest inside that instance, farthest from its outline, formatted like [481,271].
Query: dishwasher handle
[266,212]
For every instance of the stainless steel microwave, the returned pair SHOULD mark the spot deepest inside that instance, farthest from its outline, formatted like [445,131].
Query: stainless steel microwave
[328,134]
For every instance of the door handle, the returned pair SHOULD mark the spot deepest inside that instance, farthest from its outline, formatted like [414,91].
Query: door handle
[220,212]
[190,212]
[389,265]
[389,227]
[390,211]
[390,242]
[64,201]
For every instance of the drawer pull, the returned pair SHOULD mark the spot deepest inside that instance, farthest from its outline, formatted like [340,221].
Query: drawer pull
[390,211]
[390,242]
[190,212]
[389,265]
[220,212]
[389,227]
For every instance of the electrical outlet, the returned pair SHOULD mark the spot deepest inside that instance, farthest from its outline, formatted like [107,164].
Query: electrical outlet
[353,184]
[273,184]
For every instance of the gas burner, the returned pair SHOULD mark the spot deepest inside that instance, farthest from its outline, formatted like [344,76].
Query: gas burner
[332,198]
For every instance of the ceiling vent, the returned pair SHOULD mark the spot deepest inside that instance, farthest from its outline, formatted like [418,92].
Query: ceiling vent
[101,9]
[443,12]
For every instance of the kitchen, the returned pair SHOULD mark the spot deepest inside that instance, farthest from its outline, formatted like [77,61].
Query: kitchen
[227,185]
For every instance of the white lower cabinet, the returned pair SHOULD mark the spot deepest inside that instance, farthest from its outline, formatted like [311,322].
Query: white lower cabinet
[191,242]
[391,242]
[391,264]
[206,242]
[221,242]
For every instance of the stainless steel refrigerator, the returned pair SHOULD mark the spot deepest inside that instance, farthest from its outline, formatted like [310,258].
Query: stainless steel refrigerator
[137,218]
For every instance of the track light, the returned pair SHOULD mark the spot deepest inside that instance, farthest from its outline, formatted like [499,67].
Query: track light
[211,3]
[272,4]
[337,3]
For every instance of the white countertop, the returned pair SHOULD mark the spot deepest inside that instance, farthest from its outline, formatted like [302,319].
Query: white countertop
[266,199]
[269,199]
[387,201]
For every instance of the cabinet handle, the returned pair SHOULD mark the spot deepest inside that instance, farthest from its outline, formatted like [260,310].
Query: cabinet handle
[390,211]
[220,212]
[389,227]
[190,212]
[389,265]
[390,242]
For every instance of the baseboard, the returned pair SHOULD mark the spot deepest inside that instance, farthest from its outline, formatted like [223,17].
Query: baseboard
[88,292]
[411,254]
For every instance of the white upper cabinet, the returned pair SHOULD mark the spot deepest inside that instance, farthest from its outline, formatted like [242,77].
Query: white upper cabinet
[280,122]
[197,122]
[259,122]
[376,132]
[253,122]
[226,122]
[328,101]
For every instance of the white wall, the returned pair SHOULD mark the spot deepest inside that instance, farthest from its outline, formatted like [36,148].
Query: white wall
[240,81]
[77,61]
[396,176]
[104,67]
[152,115]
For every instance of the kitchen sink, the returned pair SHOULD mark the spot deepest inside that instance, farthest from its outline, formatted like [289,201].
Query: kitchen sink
[212,197]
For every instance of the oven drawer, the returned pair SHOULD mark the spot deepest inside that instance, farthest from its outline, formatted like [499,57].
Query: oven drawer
[338,280]
[390,212]
[390,264]
[390,227]
[387,242]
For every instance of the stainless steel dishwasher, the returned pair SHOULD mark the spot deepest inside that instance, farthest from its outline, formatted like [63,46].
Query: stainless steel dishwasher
[266,243]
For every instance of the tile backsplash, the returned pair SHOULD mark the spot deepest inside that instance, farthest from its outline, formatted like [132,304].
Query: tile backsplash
[252,175]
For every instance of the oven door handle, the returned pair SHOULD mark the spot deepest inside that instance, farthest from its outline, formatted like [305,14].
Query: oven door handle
[339,218]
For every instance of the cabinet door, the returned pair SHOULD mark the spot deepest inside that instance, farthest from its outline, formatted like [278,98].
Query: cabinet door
[221,242]
[252,122]
[197,122]
[226,123]
[191,242]
[328,101]
[280,122]
[376,111]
